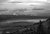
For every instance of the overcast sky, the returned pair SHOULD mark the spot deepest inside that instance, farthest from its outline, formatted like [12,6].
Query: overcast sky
[22,0]
[14,4]
[17,3]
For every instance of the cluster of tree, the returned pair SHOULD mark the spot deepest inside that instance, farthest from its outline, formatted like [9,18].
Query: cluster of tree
[27,29]
[22,30]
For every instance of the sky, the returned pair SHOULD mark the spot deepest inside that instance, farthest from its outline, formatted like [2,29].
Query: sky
[25,3]
[29,4]
[22,0]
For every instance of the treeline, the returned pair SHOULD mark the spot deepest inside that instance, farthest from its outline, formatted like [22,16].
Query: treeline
[10,17]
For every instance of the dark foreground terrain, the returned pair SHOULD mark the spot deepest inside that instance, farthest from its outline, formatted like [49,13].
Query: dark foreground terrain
[23,27]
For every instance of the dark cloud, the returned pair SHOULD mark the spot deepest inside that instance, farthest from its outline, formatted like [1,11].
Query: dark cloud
[15,2]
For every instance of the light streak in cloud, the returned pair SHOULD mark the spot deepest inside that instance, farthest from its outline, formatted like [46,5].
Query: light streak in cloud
[28,1]
[23,4]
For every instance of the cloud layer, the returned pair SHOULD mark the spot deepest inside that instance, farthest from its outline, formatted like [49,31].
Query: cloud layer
[36,5]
